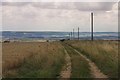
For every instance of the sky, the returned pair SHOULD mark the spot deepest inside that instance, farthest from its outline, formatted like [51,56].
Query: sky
[58,16]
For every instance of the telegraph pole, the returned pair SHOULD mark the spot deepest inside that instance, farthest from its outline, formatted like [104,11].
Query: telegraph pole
[92,26]
[69,36]
[73,33]
[78,33]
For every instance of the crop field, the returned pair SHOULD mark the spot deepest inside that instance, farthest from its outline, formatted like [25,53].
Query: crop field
[68,59]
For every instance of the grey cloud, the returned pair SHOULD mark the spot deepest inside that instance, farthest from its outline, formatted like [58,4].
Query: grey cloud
[55,5]
[94,6]
[82,6]
[44,5]
[119,6]
[49,5]
[15,3]
[29,15]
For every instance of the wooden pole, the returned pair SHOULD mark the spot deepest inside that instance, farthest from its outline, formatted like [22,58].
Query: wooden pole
[69,36]
[73,33]
[92,26]
[78,33]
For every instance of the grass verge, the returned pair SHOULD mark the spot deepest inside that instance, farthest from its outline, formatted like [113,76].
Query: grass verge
[103,53]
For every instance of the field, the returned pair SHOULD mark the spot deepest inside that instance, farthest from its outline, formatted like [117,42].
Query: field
[0,60]
[32,59]
[84,59]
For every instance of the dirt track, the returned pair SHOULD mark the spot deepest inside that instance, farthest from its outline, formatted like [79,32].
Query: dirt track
[66,70]
[95,72]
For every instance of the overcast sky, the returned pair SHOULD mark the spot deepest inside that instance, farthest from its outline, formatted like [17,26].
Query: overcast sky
[59,16]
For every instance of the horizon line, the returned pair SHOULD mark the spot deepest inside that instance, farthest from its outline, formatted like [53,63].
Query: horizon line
[54,31]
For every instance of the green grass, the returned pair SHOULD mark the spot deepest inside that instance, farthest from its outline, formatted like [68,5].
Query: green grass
[48,59]
[45,64]
[103,53]
[80,67]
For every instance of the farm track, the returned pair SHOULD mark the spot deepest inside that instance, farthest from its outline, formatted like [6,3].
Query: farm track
[66,70]
[95,71]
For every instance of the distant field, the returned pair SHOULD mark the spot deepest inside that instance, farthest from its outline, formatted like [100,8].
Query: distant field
[46,59]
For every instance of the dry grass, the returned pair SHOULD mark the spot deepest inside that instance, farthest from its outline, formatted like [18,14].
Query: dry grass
[15,53]
[20,58]
[45,60]
[80,67]
[0,59]
[103,53]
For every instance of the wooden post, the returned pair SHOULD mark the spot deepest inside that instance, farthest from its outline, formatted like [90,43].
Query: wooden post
[92,26]
[69,36]
[78,33]
[73,33]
